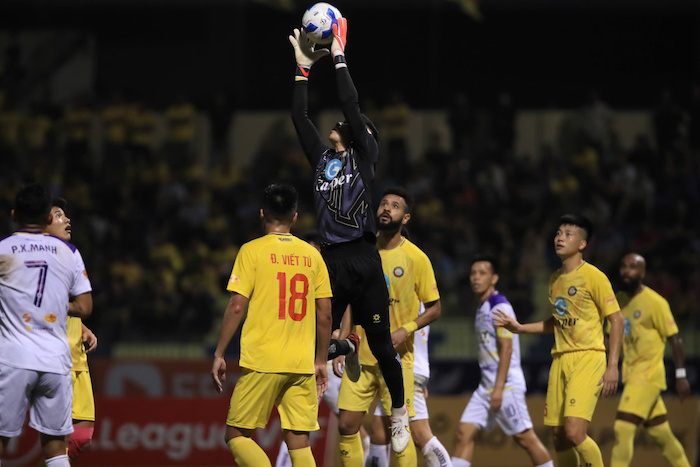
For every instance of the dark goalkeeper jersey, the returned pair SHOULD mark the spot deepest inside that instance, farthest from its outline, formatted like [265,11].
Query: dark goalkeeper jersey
[343,180]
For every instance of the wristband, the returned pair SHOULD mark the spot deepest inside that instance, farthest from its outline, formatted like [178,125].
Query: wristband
[412,327]
[680,373]
[339,61]
[302,73]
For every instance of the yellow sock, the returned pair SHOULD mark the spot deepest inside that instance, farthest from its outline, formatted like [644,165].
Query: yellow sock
[407,458]
[567,458]
[623,449]
[248,453]
[589,453]
[351,454]
[302,457]
[672,449]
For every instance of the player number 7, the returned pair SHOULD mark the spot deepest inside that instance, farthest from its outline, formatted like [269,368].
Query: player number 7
[43,269]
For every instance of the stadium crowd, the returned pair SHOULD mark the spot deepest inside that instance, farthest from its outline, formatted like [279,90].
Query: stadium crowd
[159,230]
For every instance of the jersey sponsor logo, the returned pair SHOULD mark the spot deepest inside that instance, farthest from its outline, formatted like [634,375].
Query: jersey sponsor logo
[26,317]
[332,169]
[335,182]
[637,314]
[628,327]
[560,307]
[50,318]
[572,291]
[398,271]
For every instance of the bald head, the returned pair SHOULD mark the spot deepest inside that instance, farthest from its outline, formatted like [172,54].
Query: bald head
[633,267]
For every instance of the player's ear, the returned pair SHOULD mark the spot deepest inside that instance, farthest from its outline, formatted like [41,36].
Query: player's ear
[12,215]
[49,219]
[494,279]
[406,218]
[294,219]
[582,246]
[262,215]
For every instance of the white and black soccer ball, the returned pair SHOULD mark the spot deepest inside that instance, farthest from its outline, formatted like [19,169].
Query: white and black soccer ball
[318,22]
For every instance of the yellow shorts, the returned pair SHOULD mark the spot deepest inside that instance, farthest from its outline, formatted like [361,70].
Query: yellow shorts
[83,398]
[357,397]
[642,400]
[573,388]
[256,393]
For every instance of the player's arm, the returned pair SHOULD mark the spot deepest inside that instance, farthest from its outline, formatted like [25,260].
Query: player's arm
[433,310]
[682,385]
[505,350]
[323,340]
[501,319]
[232,319]
[81,306]
[610,377]
[347,94]
[305,56]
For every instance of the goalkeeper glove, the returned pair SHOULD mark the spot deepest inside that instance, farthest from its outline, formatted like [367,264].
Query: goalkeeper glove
[304,49]
[340,32]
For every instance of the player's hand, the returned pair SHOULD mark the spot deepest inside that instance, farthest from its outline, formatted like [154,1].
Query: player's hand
[425,392]
[321,378]
[340,34]
[304,49]
[496,400]
[339,366]
[398,336]
[503,320]
[682,388]
[609,382]
[90,339]
[218,373]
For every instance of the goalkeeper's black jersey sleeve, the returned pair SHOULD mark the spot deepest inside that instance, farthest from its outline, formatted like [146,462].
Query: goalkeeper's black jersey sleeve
[342,180]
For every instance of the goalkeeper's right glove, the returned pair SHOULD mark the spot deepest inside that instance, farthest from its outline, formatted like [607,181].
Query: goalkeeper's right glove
[304,51]
[340,33]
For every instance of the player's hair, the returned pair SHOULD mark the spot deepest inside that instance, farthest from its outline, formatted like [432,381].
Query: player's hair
[487,258]
[59,203]
[403,193]
[581,222]
[280,202]
[33,205]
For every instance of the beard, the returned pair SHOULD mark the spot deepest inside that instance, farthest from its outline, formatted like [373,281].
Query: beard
[630,285]
[391,225]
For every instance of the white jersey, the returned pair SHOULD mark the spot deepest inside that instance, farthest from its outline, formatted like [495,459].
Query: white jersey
[38,274]
[488,349]
[421,364]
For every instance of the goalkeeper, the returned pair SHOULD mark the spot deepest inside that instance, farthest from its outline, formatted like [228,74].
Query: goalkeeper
[343,177]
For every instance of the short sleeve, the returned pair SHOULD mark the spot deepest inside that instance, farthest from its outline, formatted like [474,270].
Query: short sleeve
[81,282]
[507,309]
[426,284]
[663,319]
[603,295]
[242,279]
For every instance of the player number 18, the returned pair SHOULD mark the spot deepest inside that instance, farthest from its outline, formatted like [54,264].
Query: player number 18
[294,295]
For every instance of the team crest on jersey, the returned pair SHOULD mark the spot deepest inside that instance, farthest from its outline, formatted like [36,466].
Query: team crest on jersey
[26,317]
[50,318]
[637,314]
[628,327]
[398,271]
[560,307]
[572,290]
[332,168]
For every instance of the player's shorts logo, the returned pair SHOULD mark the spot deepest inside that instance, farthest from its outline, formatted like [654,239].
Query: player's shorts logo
[376,318]
[560,307]
[398,271]
[628,327]
[637,314]
[51,318]
[26,317]
[332,169]
[572,290]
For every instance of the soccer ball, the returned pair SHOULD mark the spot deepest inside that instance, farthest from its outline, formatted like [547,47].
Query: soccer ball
[318,22]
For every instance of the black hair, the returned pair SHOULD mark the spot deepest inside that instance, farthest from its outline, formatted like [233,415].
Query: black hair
[33,205]
[403,193]
[487,258]
[581,222]
[59,203]
[280,202]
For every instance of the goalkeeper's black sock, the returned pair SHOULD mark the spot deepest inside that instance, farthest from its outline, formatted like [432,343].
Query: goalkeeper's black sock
[338,348]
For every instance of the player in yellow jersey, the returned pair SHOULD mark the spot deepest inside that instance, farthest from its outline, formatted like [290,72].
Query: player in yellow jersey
[581,298]
[285,337]
[648,323]
[411,280]
[78,335]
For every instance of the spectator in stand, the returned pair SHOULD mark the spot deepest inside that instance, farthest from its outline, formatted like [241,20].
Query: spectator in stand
[180,120]
[76,152]
[115,125]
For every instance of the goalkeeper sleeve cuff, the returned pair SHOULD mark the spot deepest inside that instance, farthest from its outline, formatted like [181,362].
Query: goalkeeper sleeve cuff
[339,60]
[302,73]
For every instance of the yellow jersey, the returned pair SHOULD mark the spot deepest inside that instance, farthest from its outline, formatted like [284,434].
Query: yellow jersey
[581,299]
[648,322]
[411,280]
[282,276]
[75,340]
